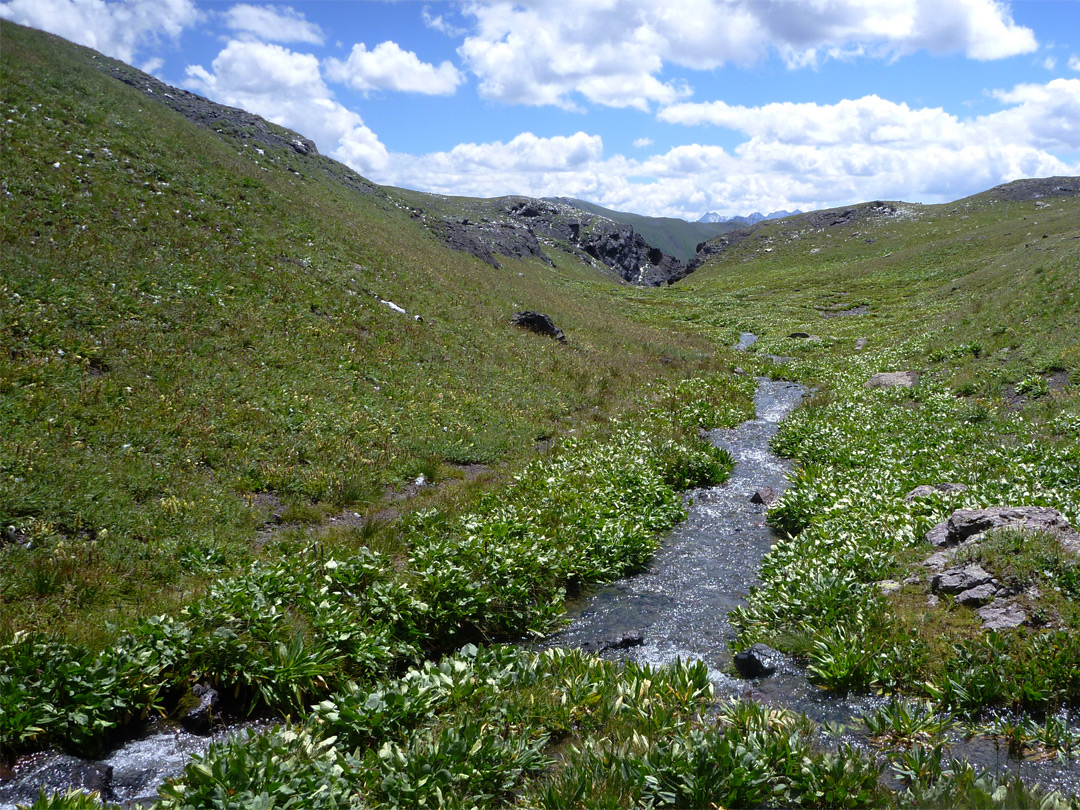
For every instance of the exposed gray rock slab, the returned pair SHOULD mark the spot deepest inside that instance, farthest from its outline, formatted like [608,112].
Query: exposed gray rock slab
[893,379]
[1001,615]
[978,596]
[957,580]
[965,523]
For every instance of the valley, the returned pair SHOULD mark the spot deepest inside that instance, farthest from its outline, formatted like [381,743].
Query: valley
[269,430]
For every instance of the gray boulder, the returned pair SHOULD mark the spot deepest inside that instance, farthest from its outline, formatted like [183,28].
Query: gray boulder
[860,344]
[764,496]
[957,580]
[1001,615]
[893,379]
[978,596]
[965,523]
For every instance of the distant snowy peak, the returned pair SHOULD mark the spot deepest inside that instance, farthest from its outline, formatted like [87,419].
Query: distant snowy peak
[753,219]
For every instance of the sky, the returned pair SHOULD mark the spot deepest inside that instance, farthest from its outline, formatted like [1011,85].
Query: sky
[659,107]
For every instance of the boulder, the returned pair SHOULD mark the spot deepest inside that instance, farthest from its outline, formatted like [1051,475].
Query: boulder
[759,661]
[978,596]
[957,580]
[965,523]
[893,379]
[926,490]
[539,323]
[1001,615]
[764,496]
[860,344]
[200,717]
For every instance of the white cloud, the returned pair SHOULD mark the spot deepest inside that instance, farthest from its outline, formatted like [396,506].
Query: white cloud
[1044,115]
[611,52]
[1050,63]
[273,24]
[440,24]
[794,156]
[641,143]
[1074,62]
[389,67]
[287,88]
[117,28]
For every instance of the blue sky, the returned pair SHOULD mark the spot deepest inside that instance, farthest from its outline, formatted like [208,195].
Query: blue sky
[662,107]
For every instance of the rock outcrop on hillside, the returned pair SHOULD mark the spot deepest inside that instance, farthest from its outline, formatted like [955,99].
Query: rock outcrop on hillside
[516,227]
[524,227]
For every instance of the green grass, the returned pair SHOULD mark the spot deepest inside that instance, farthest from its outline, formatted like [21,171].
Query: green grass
[192,339]
[186,325]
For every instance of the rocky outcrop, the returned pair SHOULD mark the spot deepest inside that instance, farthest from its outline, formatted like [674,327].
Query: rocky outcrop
[893,379]
[964,524]
[1037,188]
[539,323]
[800,225]
[523,227]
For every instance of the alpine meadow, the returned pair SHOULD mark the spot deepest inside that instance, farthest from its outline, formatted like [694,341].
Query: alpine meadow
[313,471]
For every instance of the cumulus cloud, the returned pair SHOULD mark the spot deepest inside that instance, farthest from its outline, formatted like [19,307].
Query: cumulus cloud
[1074,62]
[641,143]
[287,88]
[793,156]
[273,24]
[388,67]
[611,52]
[117,28]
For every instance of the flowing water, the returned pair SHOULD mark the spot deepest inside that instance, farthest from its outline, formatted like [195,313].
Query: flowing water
[677,608]
[130,774]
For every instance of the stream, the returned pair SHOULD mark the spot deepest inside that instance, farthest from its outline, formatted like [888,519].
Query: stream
[677,608]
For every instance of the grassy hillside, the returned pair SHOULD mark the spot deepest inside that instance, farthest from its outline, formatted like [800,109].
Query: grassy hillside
[676,237]
[195,337]
[215,426]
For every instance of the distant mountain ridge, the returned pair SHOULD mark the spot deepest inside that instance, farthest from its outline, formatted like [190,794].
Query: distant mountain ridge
[751,219]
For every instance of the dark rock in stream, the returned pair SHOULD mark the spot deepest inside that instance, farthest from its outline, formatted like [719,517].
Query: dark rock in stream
[200,717]
[759,661]
[764,496]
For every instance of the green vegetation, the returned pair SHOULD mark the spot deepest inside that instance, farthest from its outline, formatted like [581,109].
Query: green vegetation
[195,340]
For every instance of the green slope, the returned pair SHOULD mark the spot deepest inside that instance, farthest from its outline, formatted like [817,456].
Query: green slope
[676,237]
[194,337]
[189,326]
